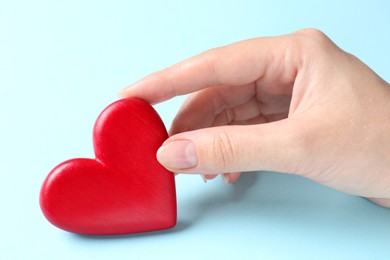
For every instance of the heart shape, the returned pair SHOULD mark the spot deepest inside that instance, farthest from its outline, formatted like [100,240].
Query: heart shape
[124,190]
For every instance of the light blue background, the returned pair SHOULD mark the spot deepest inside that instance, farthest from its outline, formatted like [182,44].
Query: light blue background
[62,62]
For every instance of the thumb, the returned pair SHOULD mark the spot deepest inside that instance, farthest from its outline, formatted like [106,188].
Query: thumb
[271,147]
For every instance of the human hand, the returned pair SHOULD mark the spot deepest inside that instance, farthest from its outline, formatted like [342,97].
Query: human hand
[294,104]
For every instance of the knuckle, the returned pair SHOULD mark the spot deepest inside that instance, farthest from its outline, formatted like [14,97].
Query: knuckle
[223,150]
[313,34]
[169,75]
[313,41]
[210,57]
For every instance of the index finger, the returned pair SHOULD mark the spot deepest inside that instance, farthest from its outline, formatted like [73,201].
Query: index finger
[267,59]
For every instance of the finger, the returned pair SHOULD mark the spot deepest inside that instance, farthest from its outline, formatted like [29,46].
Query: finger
[230,178]
[200,109]
[272,147]
[207,177]
[269,60]
[261,119]
[225,105]
[210,176]
[246,111]
[234,176]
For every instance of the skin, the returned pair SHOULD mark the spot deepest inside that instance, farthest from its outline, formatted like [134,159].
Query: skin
[295,104]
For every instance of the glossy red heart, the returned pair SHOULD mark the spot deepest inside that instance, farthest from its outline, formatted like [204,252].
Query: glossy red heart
[124,190]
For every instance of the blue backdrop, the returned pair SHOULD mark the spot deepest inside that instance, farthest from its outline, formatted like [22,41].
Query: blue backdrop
[62,62]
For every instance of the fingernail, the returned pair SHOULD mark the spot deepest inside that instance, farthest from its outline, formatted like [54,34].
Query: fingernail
[178,155]
[122,92]
[226,178]
[203,178]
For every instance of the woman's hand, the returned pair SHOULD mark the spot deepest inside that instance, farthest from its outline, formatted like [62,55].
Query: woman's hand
[294,104]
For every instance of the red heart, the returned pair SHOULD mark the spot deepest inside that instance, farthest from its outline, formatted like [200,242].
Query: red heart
[124,190]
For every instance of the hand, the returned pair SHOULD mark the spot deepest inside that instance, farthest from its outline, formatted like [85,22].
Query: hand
[294,104]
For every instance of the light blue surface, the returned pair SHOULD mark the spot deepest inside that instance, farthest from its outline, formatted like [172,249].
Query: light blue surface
[62,62]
